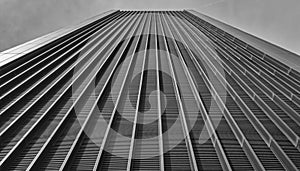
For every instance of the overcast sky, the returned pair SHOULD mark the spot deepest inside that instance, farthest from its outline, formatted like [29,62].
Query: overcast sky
[277,21]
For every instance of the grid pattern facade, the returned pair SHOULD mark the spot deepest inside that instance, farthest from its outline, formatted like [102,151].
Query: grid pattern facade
[148,90]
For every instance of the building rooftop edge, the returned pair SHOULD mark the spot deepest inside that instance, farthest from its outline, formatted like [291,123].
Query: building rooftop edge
[18,51]
[286,57]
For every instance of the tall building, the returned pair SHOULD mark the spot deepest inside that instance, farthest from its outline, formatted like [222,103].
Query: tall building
[149,90]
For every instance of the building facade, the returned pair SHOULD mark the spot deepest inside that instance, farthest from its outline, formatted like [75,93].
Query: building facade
[149,90]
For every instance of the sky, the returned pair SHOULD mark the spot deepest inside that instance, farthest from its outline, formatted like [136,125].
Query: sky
[277,21]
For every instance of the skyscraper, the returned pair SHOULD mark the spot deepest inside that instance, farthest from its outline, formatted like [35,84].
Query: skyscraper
[149,90]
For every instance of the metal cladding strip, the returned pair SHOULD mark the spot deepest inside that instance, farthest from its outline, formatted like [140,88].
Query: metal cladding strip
[107,131]
[238,133]
[277,84]
[214,137]
[279,53]
[258,125]
[161,145]
[242,140]
[292,93]
[287,88]
[22,140]
[83,33]
[267,109]
[18,119]
[260,128]
[24,143]
[266,59]
[295,99]
[63,32]
[279,81]
[129,162]
[181,111]
[48,74]
[38,44]
[234,126]
[34,163]
[280,153]
[76,143]
[41,93]
[234,94]
[49,63]
[281,103]
[283,60]
[44,93]
[293,137]
[210,128]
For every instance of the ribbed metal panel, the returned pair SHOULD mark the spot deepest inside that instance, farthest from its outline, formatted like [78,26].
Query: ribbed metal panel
[147,90]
